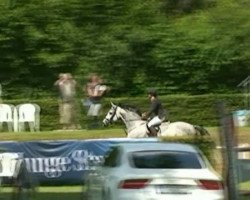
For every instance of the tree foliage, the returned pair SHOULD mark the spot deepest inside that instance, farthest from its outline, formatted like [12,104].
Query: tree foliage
[183,46]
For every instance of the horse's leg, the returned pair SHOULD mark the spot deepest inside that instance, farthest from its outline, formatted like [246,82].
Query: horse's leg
[126,132]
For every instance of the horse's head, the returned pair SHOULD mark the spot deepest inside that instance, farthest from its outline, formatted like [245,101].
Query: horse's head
[112,115]
[124,112]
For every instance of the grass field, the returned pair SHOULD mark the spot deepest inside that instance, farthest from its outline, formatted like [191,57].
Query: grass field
[243,134]
[62,135]
[74,192]
[47,193]
[64,193]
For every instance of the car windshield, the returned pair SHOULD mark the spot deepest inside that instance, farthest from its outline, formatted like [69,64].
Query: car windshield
[165,159]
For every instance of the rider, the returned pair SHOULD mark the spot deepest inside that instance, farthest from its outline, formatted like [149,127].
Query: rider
[156,113]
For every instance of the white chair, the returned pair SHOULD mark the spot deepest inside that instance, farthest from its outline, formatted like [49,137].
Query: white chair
[9,164]
[13,170]
[7,116]
[29,113]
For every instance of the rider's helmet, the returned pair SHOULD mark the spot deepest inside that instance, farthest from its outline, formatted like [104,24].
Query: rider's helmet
[152,92]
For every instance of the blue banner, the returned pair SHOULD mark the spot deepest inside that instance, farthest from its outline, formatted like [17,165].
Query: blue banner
[63,162]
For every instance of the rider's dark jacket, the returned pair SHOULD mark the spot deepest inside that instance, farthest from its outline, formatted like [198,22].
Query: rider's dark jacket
[156,109]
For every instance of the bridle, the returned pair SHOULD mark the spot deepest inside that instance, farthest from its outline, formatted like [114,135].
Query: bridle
[113,115]
[110,120]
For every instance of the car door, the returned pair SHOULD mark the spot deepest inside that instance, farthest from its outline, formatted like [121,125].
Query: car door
[109,171]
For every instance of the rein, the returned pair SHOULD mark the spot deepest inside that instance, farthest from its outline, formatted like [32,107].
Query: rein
[113,115]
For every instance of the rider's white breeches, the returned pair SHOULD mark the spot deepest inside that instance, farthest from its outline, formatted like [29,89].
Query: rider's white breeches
[154,121]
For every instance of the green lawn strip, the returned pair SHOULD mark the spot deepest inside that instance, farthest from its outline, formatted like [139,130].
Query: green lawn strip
[50,189]
[75,192]
[244,133]
[6,189]
[60,189]
[48,193]
[245,198]
[62,135]
[245,186]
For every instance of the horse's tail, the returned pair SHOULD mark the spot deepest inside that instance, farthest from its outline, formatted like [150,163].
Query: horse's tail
[200,130]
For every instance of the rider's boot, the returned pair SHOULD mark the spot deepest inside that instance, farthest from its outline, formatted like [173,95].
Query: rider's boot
[153,132]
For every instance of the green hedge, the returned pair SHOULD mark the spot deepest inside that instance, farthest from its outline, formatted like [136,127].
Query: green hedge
[193,109]
[200,109]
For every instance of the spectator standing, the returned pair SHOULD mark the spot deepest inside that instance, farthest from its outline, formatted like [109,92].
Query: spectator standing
[67,89]
[95,91]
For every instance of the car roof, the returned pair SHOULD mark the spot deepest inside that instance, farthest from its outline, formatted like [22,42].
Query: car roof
[150,146]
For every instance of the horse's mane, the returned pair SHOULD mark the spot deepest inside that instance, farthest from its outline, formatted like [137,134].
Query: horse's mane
[131,108]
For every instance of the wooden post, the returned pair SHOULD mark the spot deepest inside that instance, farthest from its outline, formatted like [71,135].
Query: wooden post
[229,142]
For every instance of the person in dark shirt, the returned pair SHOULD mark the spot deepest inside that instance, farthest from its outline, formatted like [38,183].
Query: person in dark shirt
[156,113]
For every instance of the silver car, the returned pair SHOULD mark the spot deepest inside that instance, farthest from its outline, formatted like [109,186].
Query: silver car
[154,171]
